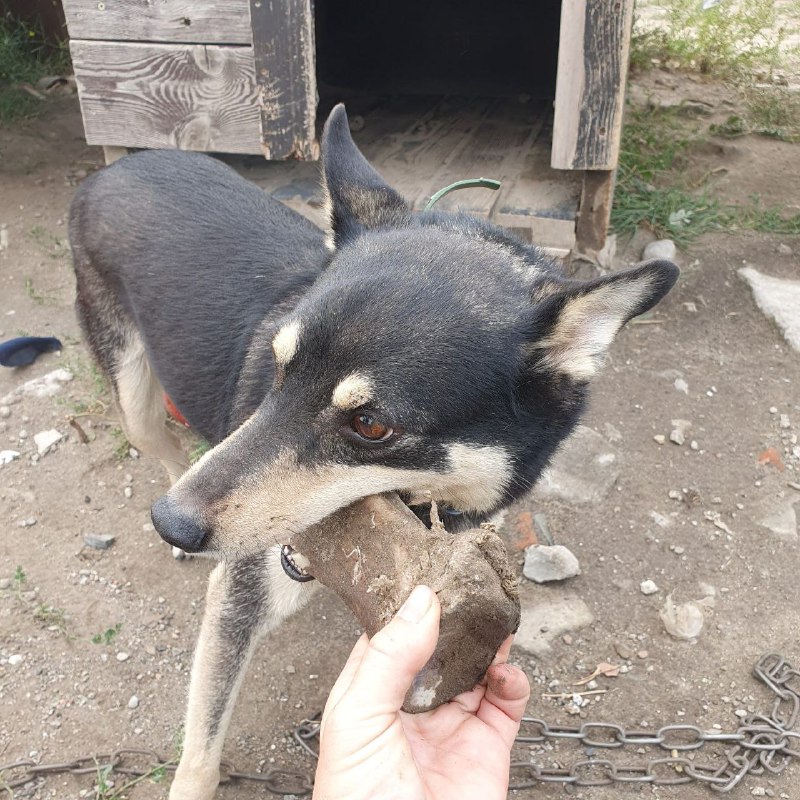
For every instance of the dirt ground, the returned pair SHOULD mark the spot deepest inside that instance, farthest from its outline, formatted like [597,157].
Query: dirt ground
[685,517]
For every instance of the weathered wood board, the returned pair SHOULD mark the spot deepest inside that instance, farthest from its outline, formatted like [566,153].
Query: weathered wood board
[192,97]
[202,21]
[283,45]
[590,88]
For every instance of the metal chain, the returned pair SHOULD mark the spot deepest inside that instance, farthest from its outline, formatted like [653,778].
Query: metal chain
[761,744]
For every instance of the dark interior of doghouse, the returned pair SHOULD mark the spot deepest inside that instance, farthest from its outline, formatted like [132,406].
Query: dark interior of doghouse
[440,90]
[467,47]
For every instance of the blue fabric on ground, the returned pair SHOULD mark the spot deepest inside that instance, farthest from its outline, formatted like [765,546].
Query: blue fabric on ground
[26,349]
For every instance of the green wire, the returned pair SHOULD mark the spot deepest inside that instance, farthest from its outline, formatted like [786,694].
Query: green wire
[469,183]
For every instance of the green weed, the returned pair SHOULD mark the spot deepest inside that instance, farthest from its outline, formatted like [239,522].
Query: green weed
[24,58]
[768,111]
[108,635]
[726,40]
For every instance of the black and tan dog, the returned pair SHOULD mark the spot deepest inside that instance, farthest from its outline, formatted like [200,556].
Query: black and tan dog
[431,354]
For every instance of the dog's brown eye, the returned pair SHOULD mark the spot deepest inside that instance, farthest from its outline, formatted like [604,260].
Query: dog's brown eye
[369,428]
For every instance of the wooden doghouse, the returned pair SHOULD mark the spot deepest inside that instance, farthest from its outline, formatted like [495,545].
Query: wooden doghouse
[528,93]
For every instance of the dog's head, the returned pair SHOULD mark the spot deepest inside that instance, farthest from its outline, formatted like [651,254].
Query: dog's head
[436,356]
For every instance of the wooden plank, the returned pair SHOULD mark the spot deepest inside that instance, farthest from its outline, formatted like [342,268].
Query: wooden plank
[112,154]
[411,158]
[496,149]
[546,232]
[590,88]
[283,45]
[202,21]
[595,211]
[190,97]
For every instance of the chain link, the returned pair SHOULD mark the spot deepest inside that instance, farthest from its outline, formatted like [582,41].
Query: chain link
[762,744]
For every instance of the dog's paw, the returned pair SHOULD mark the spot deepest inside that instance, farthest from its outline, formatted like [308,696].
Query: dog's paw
[178,554]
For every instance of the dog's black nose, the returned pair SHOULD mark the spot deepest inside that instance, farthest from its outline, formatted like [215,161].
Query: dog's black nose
[176,525]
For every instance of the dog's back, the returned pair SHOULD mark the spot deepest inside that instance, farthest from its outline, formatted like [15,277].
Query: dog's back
[179,249]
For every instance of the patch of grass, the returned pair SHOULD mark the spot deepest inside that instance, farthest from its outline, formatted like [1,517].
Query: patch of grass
[727,39]
[108,635]
[24,58]
[51,617]
[122,446]
[49,243]
[768,111]
[199,450]
[38,297]
[652,189]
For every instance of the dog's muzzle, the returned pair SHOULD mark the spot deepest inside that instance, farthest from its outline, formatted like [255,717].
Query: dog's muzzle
[295,564]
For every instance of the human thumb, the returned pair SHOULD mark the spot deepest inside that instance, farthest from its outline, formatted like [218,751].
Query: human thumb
[397,653]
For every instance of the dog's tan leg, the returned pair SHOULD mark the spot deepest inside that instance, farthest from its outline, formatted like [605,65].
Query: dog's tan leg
[141,401]
[245,600]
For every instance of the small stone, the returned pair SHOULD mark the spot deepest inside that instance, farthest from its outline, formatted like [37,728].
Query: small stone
[99,541]
[678,550]
[741,713]
[290,668]
[128,492]
[592,685]
[5,583]
[758,791]
[624,650]
[27,523]
[44,440]
[134,701]
[15,659]
[773,409]
[545,563]
[123,656]
[22,435]
[660,438]
[694,445]
[784,421]
[661,248]
[679,429]
[133,452]
[784,249]
[5,412]
[648,587]
[674,494]
[7,456]
[642,653]
[567,639]
[681,385]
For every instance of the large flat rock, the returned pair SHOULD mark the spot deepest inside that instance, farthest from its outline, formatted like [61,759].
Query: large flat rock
[583,470]
[779,299]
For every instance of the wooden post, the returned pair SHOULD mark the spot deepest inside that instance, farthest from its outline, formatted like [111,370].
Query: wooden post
[283,46]
[594,213]
[593,54]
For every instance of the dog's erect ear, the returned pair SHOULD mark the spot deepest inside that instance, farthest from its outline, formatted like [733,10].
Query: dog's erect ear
[573,328]
[358,198]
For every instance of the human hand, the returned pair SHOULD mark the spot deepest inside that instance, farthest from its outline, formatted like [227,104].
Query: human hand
[371,749]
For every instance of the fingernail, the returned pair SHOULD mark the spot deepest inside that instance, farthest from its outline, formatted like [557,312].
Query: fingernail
[417,605]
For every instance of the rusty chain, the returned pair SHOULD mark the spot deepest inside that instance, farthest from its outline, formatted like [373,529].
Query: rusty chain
[762,744]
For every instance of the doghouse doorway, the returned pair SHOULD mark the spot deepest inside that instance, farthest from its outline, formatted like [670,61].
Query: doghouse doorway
[442,91]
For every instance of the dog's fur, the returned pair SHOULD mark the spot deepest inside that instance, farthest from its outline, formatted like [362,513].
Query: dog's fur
[271,337]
